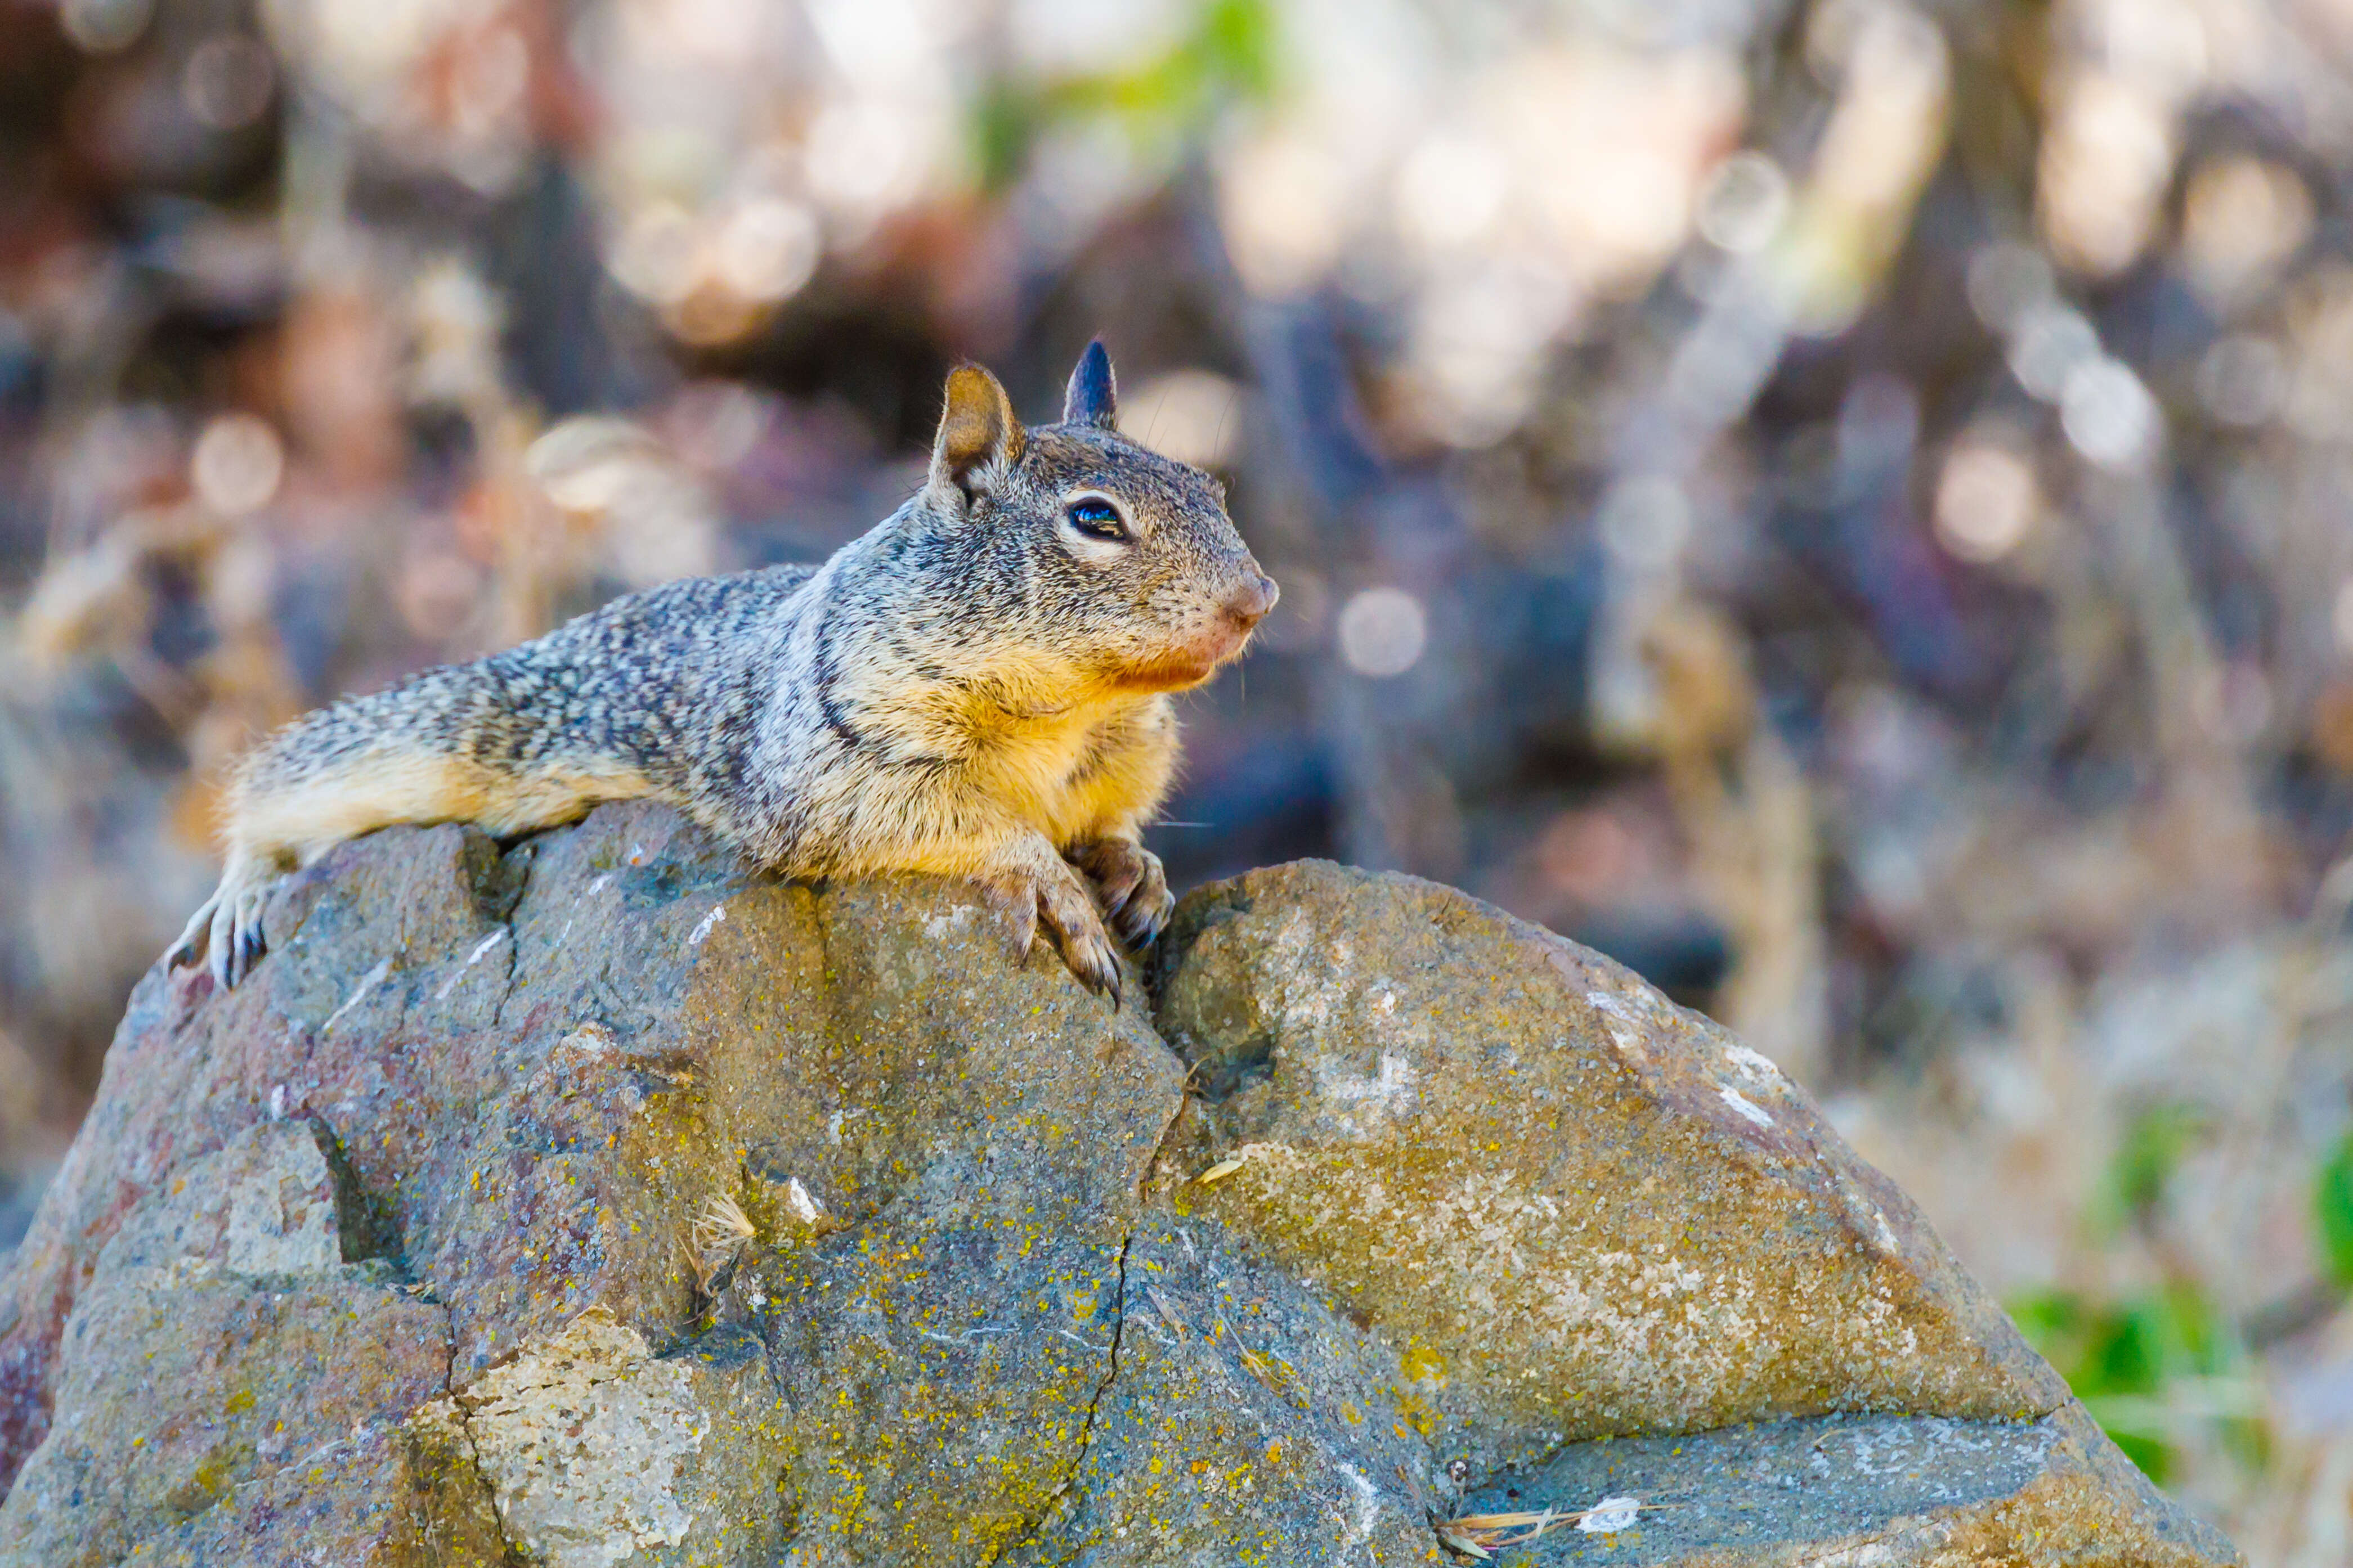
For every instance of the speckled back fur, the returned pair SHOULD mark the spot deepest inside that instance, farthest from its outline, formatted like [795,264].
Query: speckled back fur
[977,685]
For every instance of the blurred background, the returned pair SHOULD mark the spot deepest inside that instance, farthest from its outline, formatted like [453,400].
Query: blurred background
[1846,505]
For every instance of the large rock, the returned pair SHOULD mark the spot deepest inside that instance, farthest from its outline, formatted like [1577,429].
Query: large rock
[594,1203]
[1569,1207]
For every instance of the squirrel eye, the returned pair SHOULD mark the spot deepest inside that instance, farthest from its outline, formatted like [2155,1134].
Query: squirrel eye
[1096,518]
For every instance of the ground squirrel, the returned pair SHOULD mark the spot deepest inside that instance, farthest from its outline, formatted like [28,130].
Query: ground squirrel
[979,688]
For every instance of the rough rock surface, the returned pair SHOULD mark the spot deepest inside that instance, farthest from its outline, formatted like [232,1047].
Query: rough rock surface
[1453,1121]
[591,1202]
[1859,1490]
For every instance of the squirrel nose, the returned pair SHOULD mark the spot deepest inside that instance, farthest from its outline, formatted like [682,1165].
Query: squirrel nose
[1248,605]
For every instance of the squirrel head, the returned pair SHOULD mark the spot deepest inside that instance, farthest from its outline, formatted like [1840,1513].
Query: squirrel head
[1076,551]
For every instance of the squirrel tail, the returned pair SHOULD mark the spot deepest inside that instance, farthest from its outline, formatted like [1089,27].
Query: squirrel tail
[326,778]
[437,749]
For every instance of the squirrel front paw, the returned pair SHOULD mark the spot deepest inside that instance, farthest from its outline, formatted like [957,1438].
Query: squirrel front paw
[1061,898]
[227,928]
[1131,886]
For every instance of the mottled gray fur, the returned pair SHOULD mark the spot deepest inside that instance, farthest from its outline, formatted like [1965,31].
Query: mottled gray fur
[976,686]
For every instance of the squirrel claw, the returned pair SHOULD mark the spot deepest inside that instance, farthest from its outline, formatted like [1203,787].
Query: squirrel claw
[1130,884]
[1061,901]
[226,931]
[191,942]
[1143,917]
[1086,946]
[1014,903]
[1098,972]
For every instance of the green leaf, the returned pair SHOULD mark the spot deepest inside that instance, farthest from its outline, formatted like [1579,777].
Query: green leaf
[2151,1151]
[2152,1455]
[1227,56]
[2120,1356]
[2333,1208]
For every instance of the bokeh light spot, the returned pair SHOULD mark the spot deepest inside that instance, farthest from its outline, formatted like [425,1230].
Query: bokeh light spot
[236,464]
[1985,501]
[767,249]
[1383,632]
[103,26]
[2050,342]
[228,81]
[2110,415]
[1744,203]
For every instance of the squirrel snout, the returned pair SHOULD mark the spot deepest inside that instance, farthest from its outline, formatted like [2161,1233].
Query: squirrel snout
[1248,605]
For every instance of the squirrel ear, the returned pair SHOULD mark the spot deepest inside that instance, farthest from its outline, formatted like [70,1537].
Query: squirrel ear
[980,437]
[1093,396]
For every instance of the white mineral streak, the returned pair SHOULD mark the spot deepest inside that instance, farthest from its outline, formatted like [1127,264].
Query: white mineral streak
[473,958]
[369,981]
[1621,1024]
[1368,1503]
[1307,1009]
[1605,1001]
[1746,1106]
[702,933]
[581,1439]
[1390,1091]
